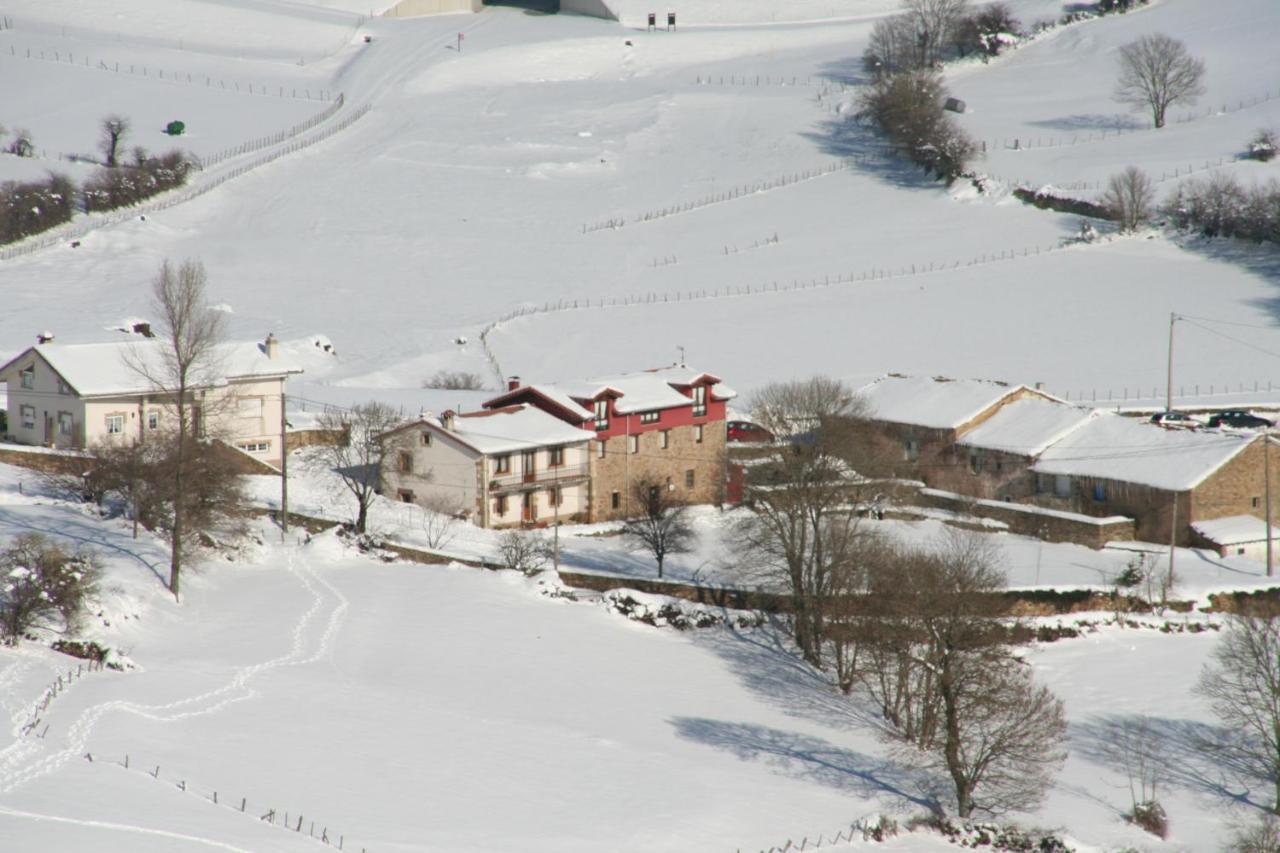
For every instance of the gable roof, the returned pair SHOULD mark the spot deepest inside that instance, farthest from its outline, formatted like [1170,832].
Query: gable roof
[104,369]
[1235,530]
[1113,447]
[643,391]
[505,430]
[933,402]
[1027,426]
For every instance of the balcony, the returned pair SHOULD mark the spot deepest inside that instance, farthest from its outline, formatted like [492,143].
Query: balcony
[544,478]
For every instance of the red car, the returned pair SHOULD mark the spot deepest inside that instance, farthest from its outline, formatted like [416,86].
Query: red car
[748,433]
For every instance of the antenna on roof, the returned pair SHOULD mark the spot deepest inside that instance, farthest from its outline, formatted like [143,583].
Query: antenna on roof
[681,355]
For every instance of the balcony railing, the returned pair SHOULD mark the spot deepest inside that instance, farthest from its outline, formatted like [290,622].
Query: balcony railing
[541,478]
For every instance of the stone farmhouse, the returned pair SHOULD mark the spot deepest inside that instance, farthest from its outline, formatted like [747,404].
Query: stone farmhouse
[585,444]
[79,396]
[988,441]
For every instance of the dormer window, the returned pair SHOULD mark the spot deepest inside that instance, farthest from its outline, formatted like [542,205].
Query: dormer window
[699,401]
[602,414]
[28,377]
[649,417]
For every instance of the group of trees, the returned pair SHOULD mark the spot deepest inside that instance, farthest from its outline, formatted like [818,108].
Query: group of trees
[1220,206]
[28,208]
[916,629]
[928,32]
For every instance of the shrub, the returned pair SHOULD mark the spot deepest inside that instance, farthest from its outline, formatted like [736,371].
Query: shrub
[127,185]
[1218,206]
[523,551]
[987,31]
[22,144]
[1151,817]
[42,584]
[907,108]
[1263,146]
[1260,836]
[32,207]
[454,380]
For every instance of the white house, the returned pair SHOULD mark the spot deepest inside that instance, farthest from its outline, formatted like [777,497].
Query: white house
[78,396]
[499,467]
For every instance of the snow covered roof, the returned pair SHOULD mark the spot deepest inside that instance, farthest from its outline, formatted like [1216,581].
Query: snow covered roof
[1026,426]
[936,403]
[1114,447]
[106,369]
[510,429]
[643,391]
[1235,530]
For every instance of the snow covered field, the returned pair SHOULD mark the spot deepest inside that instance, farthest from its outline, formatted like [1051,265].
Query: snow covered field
[405,707]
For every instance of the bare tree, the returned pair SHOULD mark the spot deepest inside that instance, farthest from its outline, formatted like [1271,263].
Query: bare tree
[935,23]
[908,109]
[114,129]
[454,380]
[663,526]
[1130,198]
[1242,684]
[440,521]
[358,459]
[42,584]
[1156,72]
[523,551]
[803,529]
[22,144]
[1135,746]
[952,693]
[183,358]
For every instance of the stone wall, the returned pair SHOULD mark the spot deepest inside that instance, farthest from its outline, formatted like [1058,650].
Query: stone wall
[300,438]
[1239,488]
[1051,526]
[618,470]
[48,462]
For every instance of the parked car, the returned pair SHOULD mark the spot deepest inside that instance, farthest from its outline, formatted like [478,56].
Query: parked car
[747,432]
[1238,419]
[1180,420]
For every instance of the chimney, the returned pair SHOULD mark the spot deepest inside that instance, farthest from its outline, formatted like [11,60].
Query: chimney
[1039,386]
[272,345]
[446,419]
[44,338]
[513,383]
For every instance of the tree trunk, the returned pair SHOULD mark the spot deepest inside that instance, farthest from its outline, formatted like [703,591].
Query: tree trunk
[660,557]
[362,518]
[951,751]
[179,496]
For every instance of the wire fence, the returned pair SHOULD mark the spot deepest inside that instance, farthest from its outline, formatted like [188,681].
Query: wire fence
[68,57]
[90,222]
[1133,395]
[754,80]
[269,813]
[875,828]
[35,714]
[1179,173]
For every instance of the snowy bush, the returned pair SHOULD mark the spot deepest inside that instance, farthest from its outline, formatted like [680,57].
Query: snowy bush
[42,584]
[22,145]
[454,380]
[31,207]
[1150,816]
[666,612]
[127,185]
[993,836]
[907,108]
[1219,206]
[988,31]
[1263,146]
[523,551]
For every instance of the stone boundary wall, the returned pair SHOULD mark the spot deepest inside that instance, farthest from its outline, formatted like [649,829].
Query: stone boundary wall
[300,438]
[46,461]
[1051,526]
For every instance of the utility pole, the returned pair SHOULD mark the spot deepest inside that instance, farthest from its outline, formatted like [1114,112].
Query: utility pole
[555,500]
[1168,388]
[1173,540]
[284,468]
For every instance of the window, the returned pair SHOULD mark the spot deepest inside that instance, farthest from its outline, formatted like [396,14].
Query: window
[599,449]
[500,505]
[1254,502]
[1062,486]
[255,446]
[28,376]
[555,457]
[406,462]
[115,424]
[649,417]
[633,443]
[697,434]
[555,497]
[1099,492]
[602,414]
[688,479]
[66,423]
[911,450]
[153,420]
[28,417]
[1240,550]
[250,407]
[615,500]
[665,439]
[502,464]
[406,496]
[426,439]
[975,462]
[63,388]
[699,401]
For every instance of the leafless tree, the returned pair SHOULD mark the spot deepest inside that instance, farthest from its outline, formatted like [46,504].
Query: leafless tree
[935,23]
[803,528]
[663,526]
[440,521]
[358,459]
[42,583]
[523,551]
[114,129]
[1135,746]
[1130,198]
[1156,72]
[454,380]
[907,108]
[1259,836]
[952,694]
[183,358]
[1242,684]
[22,144]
